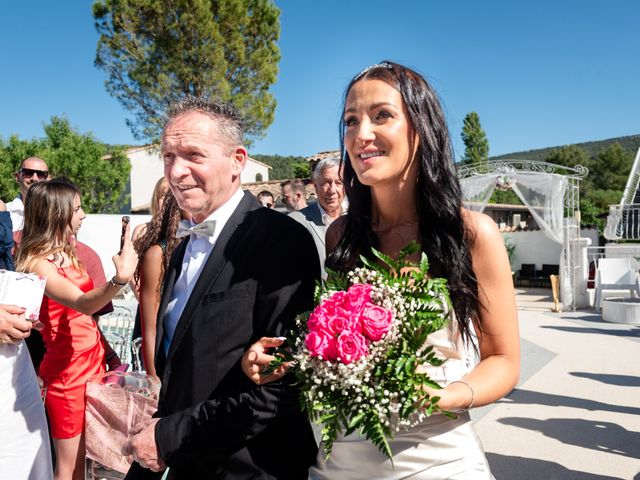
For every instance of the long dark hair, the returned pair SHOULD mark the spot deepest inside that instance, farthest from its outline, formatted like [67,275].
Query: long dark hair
[443,236]
[161,228]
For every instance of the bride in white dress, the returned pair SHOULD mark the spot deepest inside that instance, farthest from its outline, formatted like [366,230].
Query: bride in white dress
[401,183]
[24,450]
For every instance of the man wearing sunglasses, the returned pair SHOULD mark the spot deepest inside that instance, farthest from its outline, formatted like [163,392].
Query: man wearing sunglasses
[32,170]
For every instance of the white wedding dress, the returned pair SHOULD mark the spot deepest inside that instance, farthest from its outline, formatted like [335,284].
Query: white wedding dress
[437,449]
[24,449]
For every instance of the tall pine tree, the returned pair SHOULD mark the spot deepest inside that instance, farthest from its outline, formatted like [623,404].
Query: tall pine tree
[155,52]
[475,140]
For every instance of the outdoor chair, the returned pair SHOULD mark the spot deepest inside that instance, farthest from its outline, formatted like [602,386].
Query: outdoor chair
[615,274]
[543,277]
[525,275]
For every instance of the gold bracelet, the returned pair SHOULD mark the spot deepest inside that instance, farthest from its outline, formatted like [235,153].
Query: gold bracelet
[473,393]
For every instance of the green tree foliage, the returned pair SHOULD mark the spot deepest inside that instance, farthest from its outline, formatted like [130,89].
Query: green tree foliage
[608,173]
[569,156]
[155,52]
[610,169]
[507,197]
[101,173]
[282,166]
[630,143]
[475,140]
[301,170]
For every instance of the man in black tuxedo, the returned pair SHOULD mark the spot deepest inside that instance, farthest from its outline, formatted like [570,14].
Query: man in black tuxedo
[243,272]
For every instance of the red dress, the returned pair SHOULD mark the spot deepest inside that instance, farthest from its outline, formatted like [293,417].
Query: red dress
[74,354]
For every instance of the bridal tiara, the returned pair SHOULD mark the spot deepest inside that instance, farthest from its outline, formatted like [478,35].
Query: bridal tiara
[386,65]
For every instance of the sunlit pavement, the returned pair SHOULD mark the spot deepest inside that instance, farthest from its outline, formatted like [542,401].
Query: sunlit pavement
[575,413]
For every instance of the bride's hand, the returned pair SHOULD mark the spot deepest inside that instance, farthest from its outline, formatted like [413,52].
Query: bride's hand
[455,397]
[256,359]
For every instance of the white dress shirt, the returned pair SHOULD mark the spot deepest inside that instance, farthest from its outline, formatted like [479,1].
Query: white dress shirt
[16,210]
[195,256]
[326,218]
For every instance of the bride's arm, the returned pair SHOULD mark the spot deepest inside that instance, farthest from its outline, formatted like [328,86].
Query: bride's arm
[499,341]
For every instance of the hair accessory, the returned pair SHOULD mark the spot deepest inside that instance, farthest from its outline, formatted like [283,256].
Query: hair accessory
[386,65]
[473,393]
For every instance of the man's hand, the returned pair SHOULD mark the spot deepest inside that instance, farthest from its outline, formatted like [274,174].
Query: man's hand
[256,359]
[142,446]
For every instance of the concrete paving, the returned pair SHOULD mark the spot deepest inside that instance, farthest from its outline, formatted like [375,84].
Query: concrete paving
[575,414]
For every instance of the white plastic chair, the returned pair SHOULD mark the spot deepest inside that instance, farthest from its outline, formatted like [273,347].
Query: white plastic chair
[615,274]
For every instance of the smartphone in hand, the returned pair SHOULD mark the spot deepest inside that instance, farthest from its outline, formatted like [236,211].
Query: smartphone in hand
[125,221]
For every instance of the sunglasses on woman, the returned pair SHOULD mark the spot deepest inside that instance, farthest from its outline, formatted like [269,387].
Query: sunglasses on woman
[30,172]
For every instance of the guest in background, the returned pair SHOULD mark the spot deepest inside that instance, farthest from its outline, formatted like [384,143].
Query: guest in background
[330,193]
[6,238]
[31,171]
[159,191]
[294,194]
[75,348]
[154,249]
[24,449]
[266,199]
[155,207]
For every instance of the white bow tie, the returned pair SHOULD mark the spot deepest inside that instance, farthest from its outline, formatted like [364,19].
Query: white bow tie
[204,229]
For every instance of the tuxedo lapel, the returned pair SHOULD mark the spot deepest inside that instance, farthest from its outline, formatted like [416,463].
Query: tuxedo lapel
[169,281]
[222,251]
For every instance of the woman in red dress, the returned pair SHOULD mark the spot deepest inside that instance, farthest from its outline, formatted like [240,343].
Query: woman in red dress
[75,348]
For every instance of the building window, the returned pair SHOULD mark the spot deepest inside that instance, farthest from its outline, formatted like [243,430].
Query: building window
[258,177]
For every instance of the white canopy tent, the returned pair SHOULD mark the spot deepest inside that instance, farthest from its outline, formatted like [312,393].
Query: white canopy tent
[549,191]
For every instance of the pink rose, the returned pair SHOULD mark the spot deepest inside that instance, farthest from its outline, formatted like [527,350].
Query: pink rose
[376,321]
[357,297]
[317,321]
[321,345]
[351,346]
[336,324]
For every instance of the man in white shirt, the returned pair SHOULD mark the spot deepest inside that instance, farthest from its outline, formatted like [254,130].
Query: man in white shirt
[243,272]
[32,170]
[330,205]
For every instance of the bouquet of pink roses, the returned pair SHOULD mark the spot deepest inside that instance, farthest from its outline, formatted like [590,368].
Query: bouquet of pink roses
[358,352]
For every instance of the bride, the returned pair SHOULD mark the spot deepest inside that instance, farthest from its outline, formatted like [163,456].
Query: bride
[401,183]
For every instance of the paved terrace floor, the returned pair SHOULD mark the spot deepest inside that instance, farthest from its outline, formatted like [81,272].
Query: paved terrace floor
[575,414]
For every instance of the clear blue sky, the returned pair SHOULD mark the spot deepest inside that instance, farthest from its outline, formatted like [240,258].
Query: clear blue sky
[539,73]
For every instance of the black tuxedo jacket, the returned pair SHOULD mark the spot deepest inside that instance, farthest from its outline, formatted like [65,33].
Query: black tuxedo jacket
[215,422]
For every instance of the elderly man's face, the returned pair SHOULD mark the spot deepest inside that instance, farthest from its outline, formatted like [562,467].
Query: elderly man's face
[329,189]
[202,169]
[33,170]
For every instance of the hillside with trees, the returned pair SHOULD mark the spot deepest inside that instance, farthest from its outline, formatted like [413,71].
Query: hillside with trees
[284,167]
[629,143]
[609,162]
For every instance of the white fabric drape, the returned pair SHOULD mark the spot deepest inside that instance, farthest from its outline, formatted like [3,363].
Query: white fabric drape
[542,194]
[477,190]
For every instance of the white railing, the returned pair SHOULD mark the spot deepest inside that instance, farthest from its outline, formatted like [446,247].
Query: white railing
[623,222]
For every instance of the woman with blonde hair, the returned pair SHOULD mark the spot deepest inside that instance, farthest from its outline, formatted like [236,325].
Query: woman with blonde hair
[75,348]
